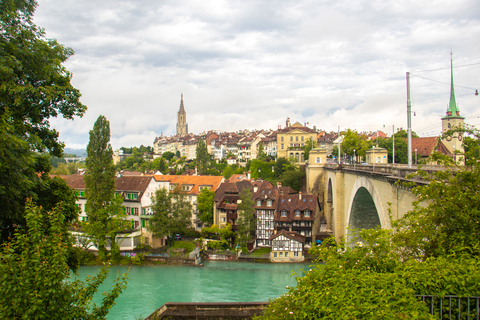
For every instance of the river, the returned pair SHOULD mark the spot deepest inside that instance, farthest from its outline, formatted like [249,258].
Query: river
[149,287]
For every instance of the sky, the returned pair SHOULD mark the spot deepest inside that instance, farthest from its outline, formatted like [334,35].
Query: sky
[248,64]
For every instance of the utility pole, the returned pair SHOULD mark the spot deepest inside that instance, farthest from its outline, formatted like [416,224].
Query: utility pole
[339,144]
[409,122]
[393,138]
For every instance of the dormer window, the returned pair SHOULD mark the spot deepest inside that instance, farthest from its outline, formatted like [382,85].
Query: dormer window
[307,213]
[297,213]
[284,213]
[259,203]
[269,202]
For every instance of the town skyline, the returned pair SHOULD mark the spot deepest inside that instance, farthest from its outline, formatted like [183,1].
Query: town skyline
[250,66]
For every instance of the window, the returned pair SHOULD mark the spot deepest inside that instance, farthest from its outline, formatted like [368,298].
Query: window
[281,139]
[286,254]
[291,138]
[284,213]
[307,213]
[281,147]
[317,160]
[131,196]
[274,254]
[135,211]
[281,254]
[302,138]
[128,210]
[297,213]
[144,211]
[296,138]
[259,203]
[269,202]
[295,254]
[136,224]
[82,193]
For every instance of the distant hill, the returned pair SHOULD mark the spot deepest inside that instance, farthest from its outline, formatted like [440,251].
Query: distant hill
[77,152]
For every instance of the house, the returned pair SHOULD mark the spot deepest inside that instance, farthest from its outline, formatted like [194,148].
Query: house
[136,192]
[191,186]
[287,246]
[424,147]
[291,141]
[225,202]
[266,198]
[298,212]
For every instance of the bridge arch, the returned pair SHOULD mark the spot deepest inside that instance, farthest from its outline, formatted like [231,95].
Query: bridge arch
[365,209]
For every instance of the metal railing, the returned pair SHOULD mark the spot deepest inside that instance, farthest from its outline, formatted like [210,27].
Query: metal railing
[452,307]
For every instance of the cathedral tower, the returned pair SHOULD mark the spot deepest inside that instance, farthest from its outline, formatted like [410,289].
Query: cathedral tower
[452,119]
[182,126]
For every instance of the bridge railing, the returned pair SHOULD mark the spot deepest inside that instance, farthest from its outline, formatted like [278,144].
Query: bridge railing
[452,307]
[399,171]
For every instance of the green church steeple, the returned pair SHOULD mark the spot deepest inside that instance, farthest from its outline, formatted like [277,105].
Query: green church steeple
[452,111]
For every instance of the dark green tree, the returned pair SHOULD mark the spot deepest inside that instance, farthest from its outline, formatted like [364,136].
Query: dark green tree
[34,87]
[172,213]
[228,172]
[35,278]
[205,205]
[104,211]
[202,156]
[35,84]
[246,221]
[352,140]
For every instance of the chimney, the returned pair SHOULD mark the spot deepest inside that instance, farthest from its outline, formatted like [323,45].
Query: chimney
[300,195]
[248,174]
[196,170]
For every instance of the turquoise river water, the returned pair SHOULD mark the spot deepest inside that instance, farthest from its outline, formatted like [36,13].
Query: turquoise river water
[149,287]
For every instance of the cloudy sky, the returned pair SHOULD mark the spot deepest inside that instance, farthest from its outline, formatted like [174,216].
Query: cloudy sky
[250,64]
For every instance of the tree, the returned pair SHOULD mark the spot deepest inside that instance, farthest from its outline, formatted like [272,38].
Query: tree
[34,275]
[228,172]
[354,141]
[205,205]
[171,213]
[261,155]
[168,155]
[35,85]
[246,221]
[105,212]
[309,145]
[202,156]
[444,219]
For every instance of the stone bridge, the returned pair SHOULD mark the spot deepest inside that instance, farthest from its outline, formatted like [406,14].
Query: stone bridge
[360,196]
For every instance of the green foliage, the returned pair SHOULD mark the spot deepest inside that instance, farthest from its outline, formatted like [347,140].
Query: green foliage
[188,246]
[352,140]
[367,280]
[292,178]
[34,273]
[214,232]
[171,213]
[35,85]
[168,155]
[445,217]
[202,156]
[106,217]
[228,172]
[205,205]
[246,221]
[309,145]
[261,155]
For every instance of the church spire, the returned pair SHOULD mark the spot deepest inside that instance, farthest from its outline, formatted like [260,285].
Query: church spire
[452,110]
[182,109]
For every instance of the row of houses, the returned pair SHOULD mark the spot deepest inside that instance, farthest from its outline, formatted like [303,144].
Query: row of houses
[277,208]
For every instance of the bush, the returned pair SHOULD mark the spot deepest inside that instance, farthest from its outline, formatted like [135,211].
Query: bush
[191,233]
[142,248]
[188,246]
